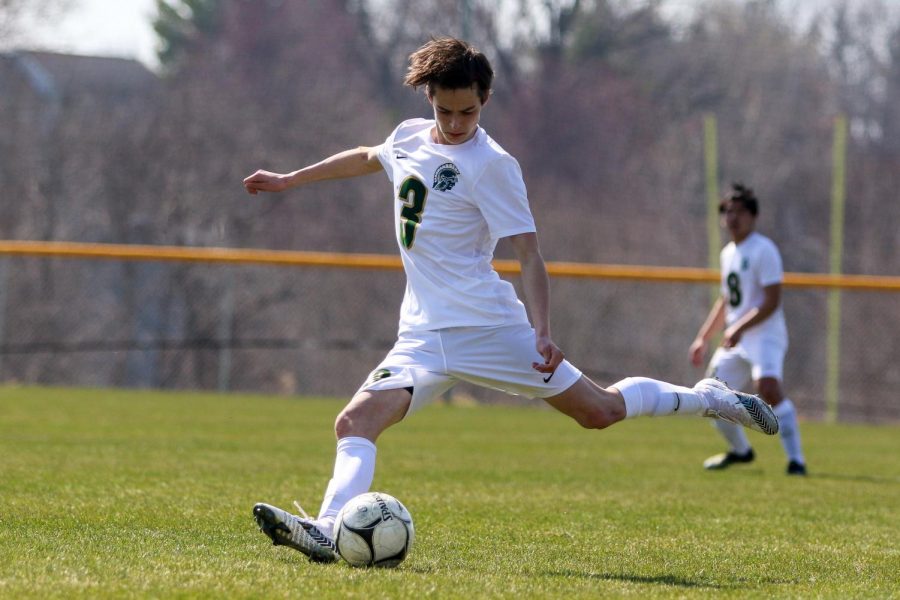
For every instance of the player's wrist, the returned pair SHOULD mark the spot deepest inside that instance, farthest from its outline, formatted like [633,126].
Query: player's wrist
[292,179]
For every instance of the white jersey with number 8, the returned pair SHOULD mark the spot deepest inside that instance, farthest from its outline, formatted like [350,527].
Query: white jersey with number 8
[748,268]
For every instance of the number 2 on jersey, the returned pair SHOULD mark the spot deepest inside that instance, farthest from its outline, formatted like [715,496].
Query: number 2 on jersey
[413,193]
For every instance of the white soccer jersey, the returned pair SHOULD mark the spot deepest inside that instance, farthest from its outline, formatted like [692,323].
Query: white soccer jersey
[452,204]
[747,268]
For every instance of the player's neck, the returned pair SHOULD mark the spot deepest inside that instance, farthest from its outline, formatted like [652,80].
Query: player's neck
[737,239]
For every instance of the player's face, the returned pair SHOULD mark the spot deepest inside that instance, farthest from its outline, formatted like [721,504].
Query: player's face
[738,220]
[456,114]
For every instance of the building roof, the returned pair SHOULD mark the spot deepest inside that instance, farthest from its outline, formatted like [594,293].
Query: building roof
[51,74]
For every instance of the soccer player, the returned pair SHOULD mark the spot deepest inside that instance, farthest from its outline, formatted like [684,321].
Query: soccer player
[755,338]
[456,193]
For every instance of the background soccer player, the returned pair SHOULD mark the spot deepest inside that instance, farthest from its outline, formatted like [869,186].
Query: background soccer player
[456,193]
[755,338]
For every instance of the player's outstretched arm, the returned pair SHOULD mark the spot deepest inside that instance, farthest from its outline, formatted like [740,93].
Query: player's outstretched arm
[349,163]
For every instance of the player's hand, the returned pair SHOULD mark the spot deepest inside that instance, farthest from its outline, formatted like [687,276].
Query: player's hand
[732,337]
[265,181]
[551,353]
[697,352]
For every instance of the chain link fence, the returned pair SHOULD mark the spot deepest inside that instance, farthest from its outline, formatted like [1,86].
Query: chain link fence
[320,331]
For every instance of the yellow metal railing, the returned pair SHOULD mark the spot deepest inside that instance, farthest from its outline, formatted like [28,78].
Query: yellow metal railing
[392,262]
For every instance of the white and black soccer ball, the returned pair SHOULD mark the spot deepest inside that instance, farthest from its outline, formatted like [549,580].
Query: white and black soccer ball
[374,530]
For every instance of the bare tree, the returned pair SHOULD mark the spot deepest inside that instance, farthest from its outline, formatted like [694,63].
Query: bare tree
[601,102]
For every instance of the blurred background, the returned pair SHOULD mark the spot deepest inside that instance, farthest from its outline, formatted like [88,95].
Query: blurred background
[134,122]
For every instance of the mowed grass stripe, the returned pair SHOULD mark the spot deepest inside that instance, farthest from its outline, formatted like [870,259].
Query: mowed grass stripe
[111,494]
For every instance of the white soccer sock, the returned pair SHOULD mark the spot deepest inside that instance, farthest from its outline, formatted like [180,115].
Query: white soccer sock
[354,469]
[645,396]
[788,430]
[734,434]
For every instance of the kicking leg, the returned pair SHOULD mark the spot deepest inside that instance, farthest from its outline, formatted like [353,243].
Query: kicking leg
[593,406]
[596,407]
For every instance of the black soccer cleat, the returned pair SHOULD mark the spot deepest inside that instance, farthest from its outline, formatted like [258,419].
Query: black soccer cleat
[796,468]
[303,535]
[726,459]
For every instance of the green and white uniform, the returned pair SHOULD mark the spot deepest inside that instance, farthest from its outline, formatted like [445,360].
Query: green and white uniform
[459,320]
[747,269]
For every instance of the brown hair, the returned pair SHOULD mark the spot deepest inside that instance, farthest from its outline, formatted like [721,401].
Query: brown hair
[741,193]
[451,64]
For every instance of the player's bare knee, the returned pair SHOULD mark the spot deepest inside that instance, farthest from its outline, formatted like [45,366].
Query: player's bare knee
[769,390]
[353,422]
[596,418]
[370,413]
[353,419]
[772,400]
[343,424]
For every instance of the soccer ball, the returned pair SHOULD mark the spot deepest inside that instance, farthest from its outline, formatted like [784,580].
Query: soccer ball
[374,530]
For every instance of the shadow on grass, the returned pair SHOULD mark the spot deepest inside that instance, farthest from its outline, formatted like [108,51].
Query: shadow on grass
[860,478]
[759,472]
[658,579]
[667,580]
[698,583]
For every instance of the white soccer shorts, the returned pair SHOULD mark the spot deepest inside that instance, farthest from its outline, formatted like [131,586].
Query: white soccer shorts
[432,362]
[749,361]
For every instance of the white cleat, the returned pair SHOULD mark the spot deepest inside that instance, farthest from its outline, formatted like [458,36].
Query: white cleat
[737,407]
[285,529]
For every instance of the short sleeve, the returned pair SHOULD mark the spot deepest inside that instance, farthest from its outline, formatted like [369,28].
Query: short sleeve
[502,199]
[771,270]
[385,152]
[384,156]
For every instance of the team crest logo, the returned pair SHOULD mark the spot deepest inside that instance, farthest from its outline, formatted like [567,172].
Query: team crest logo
[446,176]
[378,375]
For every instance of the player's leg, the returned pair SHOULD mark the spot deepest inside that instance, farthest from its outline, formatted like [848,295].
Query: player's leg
[401,383]
[357,427]
[769,388]
[501,357]
[768,366]
[392,391]
[594,406]
[589,404]
[739,448]
[732,366]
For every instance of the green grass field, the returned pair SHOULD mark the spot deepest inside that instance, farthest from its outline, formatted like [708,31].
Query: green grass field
[141,494]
